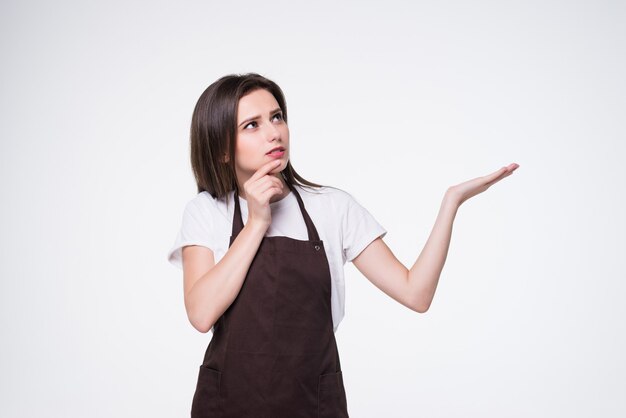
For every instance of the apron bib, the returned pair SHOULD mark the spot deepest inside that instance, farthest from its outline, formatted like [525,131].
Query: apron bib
[273,353]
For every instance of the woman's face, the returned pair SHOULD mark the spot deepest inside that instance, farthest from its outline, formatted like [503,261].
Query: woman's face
[260,128]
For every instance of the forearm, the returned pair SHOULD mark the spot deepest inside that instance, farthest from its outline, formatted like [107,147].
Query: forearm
[424,275]
[216,290]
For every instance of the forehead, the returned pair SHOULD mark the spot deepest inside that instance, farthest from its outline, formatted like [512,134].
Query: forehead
[257,102]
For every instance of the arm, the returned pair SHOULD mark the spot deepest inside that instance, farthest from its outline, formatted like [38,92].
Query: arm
[414,288]
[211,288]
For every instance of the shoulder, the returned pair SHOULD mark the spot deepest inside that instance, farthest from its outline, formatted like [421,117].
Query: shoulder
[201,204]
[205,199]
[325,193]
[332,201]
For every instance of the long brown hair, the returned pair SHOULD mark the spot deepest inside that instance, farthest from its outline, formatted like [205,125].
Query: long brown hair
[214,132]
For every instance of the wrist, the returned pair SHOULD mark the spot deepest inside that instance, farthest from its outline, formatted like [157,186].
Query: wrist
[451,199]
[257,225]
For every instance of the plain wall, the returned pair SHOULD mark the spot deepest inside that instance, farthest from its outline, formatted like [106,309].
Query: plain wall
[391,101]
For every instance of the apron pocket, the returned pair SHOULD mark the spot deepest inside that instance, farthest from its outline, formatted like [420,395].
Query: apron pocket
[206,398]
[331,396]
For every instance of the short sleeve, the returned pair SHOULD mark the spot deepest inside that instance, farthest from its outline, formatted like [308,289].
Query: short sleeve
[359,229]
[195,229]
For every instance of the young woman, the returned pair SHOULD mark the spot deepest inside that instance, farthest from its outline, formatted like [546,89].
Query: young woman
[262,252]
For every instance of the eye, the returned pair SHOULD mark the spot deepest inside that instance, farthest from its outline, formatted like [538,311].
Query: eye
[279,114]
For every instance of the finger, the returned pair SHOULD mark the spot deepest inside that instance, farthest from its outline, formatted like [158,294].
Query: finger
[499,177]
[260,184]
[509,169]
[274,190]
[267,194]
[264,184]
[271,181]
[278,182]
[264,170]
[489,178]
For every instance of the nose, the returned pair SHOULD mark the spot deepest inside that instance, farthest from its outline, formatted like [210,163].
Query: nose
[272,132]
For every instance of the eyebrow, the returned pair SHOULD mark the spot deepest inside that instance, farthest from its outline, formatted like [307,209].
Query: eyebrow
[258,116]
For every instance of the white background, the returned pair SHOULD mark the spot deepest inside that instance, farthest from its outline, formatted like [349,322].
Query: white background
[391,101]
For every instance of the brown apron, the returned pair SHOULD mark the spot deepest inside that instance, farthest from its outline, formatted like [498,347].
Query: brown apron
[273,352]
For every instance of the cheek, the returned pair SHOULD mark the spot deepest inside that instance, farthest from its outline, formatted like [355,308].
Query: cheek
[249,154]
[243,148]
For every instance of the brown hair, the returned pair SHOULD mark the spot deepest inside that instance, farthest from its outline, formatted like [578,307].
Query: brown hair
[214,132]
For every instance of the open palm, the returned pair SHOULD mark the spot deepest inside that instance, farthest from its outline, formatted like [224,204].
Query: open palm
[463,191]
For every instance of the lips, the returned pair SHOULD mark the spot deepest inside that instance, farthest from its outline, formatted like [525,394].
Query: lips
[276,149]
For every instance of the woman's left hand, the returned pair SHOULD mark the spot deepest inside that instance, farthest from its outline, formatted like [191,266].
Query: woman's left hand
[461,192]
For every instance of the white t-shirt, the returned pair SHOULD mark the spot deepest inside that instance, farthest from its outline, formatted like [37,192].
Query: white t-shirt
[344,226]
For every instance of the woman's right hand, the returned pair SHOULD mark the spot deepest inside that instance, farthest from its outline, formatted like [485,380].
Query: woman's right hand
[259,189]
